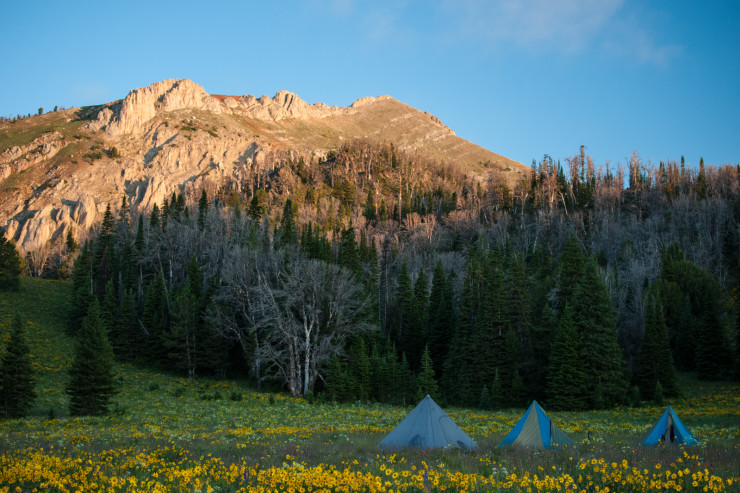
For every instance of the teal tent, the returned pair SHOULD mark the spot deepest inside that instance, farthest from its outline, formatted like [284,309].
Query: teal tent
[427,426]
[536,430]
[668,429]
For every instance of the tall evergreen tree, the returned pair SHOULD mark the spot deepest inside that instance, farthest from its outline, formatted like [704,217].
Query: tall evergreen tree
[440,322]
[11,265]
[288,234]
[656,360]
[202,210]
[348,255]
[16,374]
[91,385]
[567,383]
[421,299]
[369,209]
[713,356]
[595,319]
[258,205]
[181,339]
[155,322]
[361,371]
[425,380]
[461,380]
[570,271]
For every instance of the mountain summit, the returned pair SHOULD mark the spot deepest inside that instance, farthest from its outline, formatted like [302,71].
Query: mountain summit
[58,171]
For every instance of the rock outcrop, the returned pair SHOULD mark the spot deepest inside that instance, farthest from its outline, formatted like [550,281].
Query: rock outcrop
[173,136]
[141,105]
[19,158]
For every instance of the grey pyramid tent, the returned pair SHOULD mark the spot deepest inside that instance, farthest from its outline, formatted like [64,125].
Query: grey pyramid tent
[427,426]
[536,430]
[668,429]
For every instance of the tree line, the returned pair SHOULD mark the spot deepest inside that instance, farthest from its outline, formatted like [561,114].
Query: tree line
[371,274]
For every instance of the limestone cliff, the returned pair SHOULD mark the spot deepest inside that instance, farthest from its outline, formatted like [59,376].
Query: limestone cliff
[173,136]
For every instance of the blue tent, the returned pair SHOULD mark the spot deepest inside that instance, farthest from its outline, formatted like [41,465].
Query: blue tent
[670,429]
[427,426]
[536,430]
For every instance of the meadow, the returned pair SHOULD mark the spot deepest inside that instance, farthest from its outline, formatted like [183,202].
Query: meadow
[171,434]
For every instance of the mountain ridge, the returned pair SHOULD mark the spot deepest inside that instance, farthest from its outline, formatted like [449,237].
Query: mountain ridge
[172,136]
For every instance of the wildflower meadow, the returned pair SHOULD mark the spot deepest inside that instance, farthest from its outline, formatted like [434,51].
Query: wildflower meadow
[167,433]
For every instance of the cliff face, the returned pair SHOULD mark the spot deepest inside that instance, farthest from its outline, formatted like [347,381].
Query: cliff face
[172,136]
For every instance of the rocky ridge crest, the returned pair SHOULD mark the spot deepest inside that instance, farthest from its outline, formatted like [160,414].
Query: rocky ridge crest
[172,136]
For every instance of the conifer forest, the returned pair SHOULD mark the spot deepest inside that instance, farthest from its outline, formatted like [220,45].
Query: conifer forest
[371,274]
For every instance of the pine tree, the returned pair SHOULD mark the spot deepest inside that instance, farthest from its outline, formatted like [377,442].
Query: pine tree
[348,256]
[155,321]
[567,381]
[202,210]
[485,399]
[656,361]
[257,206]
[713,356]
[570,269]
[404,311]
[440,323]
[180,340]
[425,380]
[11,265]
[16,374]
[288,234]
[91,385]
[154,217]
[406,388]
[369,209]
[337,380]
[361,371]
[125,338]
[594,319]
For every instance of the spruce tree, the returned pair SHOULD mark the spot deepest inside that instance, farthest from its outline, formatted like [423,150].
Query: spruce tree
[257,206]
[348,256]
[360,369]
[713,356]
[570,270]
[91,385]
[656,361]
[440,323]
[404,308]
[202,210]
[180,340]
[595,319]
[16,374]
[369,209]
[155,321]
[288,234]
[11,265]
[425,380]
[567,383]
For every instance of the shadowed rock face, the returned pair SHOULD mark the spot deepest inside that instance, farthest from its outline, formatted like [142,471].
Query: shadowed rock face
[172,136]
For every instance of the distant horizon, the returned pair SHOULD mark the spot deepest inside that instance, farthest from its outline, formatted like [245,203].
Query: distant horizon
[521,79]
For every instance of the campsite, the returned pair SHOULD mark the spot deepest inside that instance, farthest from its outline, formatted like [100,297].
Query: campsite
[171,434]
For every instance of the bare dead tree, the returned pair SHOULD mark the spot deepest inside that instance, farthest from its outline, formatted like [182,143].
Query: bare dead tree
[306,320]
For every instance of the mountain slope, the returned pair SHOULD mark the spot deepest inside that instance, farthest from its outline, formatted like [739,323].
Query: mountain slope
[58,171]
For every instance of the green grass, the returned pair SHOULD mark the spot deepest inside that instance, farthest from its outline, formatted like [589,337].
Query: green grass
[24,131]
[159,418]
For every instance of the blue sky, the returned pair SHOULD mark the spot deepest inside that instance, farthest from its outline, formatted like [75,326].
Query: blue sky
[521,78]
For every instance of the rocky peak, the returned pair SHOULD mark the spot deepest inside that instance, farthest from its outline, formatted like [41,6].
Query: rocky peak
[141,105]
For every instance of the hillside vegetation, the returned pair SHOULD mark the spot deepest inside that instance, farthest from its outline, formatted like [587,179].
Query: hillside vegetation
[168,432]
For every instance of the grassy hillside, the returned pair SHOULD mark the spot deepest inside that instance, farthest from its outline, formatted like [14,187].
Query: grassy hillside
[168,433]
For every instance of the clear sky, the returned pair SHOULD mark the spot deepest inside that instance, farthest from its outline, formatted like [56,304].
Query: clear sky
[522,78]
